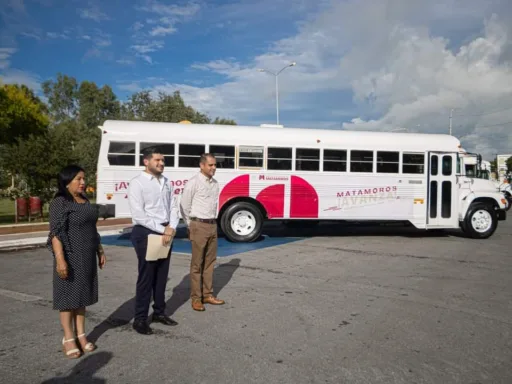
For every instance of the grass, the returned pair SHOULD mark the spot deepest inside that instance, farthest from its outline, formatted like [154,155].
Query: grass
[7,213]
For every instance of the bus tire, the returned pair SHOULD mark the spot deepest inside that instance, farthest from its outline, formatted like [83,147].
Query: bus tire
[242,222]
[480,222]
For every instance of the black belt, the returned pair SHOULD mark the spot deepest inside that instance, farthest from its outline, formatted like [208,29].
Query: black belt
[207,221]
[164,224]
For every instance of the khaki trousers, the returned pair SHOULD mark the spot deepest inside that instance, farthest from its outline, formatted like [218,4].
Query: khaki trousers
[203,237]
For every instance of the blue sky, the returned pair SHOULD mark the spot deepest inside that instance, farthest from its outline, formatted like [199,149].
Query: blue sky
[361,64]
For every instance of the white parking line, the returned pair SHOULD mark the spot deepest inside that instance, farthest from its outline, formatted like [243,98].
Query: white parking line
[19,296]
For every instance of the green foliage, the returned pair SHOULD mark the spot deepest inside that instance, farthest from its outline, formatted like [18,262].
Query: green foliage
[66,130]
[21,114]
[509,165]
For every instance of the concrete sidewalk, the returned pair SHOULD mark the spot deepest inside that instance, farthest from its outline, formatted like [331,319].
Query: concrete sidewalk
[28,240]
[11,229]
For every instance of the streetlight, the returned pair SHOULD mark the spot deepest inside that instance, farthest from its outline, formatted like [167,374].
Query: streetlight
[277,86]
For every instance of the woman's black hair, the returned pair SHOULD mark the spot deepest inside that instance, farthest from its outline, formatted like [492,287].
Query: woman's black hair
[66,176]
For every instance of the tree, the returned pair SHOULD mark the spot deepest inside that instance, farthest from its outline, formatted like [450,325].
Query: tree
[53,151]
[95,105]
[509,165]
[221,121]
[61,95]
[164,108]
[21,114]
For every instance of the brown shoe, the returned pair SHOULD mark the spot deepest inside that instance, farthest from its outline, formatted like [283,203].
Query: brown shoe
[197,305]
[213,300]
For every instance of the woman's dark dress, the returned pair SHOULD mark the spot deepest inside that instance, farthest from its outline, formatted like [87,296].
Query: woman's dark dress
[74,225]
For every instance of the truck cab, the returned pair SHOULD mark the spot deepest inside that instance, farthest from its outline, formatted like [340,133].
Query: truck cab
[482,204]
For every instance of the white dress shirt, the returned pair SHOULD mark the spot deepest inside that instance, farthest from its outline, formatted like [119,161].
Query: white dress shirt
[153,202]
[199,198]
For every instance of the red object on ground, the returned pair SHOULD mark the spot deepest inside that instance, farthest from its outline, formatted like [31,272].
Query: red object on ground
[35,206]
[21,207]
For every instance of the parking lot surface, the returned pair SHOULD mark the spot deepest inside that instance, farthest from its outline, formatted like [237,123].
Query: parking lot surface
[329,305]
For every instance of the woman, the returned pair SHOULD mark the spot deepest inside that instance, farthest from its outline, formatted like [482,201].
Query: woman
[75,244]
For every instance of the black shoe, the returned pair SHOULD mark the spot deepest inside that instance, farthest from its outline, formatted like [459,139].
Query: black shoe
[164,320]
[142,327]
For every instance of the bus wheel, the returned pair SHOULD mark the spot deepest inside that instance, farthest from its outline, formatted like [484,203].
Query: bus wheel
[480,221]
[242,222]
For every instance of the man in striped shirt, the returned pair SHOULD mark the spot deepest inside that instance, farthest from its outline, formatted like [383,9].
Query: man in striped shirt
[199,211]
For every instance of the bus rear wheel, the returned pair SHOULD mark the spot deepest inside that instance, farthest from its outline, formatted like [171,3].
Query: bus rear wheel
[481,221]
[242,222]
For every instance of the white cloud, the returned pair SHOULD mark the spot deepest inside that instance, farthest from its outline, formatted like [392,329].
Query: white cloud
[129,86]
[147,47]
[5,55]
[170,10]
[15,76]
[93,13]
[167,17]
[162,30]
[125,61]
[395,62]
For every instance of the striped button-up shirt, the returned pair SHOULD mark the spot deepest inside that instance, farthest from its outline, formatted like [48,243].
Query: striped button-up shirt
[199,198]
[152,202]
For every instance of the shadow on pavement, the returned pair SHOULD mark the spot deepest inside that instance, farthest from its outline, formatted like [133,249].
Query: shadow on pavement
[180,295]
[85,369]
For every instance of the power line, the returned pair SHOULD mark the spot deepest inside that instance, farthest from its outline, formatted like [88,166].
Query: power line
[487,113]
[495,125]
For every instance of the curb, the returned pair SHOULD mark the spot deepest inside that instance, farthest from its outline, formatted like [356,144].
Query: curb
[40,242]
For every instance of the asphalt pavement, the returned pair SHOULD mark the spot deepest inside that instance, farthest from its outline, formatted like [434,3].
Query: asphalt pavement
[335,305]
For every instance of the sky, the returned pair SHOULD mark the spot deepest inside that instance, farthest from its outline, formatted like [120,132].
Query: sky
[394,65]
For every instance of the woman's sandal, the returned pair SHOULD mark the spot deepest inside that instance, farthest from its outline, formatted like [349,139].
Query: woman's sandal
[72,353]
[89,347]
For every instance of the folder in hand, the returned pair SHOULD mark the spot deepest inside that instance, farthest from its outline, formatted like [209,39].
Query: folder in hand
[156,250]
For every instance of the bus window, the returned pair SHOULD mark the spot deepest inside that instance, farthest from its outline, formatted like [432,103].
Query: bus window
[361,161]
[307,159]
[335,160]
[434,165]
[447,165]
[279,158]
[249,156]
[413,163]
[225,155]
[189,155]
[164,148]
[388,162]
[121,153]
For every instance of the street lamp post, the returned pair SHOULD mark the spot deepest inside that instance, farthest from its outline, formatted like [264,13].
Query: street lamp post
[277,85]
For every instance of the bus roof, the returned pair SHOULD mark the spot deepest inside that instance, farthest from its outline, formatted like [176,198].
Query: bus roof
[257,135]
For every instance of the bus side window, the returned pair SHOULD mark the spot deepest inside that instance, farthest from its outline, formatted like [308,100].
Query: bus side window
[189,155]
[165,149]
[335,160]
[361,161]
[250,156]
[388,162]
[121,153]
[413,163]
[279,158]
[225,155]
[307,159]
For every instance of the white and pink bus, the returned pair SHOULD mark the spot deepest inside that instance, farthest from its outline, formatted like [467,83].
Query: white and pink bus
[287,174]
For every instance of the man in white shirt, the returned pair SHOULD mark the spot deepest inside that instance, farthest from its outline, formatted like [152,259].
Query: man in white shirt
[198,206]
[154,210]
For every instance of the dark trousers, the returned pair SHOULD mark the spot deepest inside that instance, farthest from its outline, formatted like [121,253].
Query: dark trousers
[152,276]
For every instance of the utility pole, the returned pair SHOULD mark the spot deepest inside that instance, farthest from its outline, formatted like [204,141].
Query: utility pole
[277,86]
[451,118]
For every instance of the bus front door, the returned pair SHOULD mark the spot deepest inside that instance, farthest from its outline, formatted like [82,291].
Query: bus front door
[442,191]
